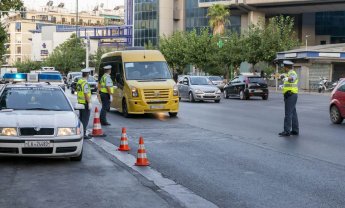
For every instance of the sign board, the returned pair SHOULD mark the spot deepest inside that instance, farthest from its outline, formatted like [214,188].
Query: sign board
[290,55]
[332,55]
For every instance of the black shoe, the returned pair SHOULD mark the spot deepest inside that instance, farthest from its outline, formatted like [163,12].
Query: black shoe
[105,124]
[284,134]
[295,133]
[87,137]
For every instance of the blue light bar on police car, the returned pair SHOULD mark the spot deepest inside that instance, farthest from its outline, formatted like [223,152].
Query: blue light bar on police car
[23,77]
[17,77]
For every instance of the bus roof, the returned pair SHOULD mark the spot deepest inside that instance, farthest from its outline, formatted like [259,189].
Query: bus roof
[137,55]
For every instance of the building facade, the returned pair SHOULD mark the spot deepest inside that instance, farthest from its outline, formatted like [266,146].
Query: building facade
[316,21]
[20,27]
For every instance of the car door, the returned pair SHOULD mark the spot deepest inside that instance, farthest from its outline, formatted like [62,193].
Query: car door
[232,88]
[185,87]
[180,87]
[340,96]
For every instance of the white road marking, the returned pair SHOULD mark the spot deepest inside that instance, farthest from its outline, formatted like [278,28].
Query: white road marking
[181,193]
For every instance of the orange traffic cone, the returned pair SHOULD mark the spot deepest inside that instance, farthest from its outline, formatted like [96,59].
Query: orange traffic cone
[141,156]
[124,141]
[97,128]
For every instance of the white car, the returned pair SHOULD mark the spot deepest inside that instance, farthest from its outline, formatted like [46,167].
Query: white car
[38,120]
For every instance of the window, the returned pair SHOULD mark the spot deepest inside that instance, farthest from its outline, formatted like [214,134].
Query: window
[342,87]
[72,21]
[147,71]
[19,50]
[81,22]
[18,26]
[33,18]
[63,20]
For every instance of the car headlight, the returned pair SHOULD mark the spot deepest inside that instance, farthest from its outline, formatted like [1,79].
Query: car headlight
[197,91]
[8,132]
[67,131]
[175,90]
[218,91]
[135,92]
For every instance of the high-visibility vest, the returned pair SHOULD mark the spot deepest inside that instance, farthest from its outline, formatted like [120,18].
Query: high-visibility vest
[103,84]
[80,91]
[291,86]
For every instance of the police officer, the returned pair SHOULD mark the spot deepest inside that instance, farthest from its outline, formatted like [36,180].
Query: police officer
[106,91]
[290,91]
[84,97]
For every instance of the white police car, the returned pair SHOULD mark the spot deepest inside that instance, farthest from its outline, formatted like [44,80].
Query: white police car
[37,119]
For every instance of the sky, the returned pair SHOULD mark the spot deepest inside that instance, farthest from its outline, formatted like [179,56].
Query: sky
[71,4]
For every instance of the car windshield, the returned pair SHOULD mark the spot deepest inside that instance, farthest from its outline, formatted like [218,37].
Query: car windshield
[200,81]
[34,98]
[256,80]
[215,78]
[147,71]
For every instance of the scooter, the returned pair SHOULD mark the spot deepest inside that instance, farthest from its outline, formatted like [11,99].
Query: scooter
[325,85]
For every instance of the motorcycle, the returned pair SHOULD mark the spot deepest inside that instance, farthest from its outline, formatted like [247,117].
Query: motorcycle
[325,85]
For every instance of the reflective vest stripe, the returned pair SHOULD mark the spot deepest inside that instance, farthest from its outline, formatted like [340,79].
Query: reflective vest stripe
[80,91]
[292,87]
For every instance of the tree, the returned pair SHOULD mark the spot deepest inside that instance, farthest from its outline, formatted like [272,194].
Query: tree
[69,56]
[27,66]
[279,35]
[253,44]
[202,49]
[174,49]
[6,5]
[218,18]
[95,59]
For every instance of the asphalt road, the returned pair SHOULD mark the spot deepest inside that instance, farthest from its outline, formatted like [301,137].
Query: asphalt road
[97,181]
[231,155]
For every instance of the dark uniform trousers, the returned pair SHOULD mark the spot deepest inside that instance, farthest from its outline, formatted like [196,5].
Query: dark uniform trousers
[105,98]
[291,119]
[84,116]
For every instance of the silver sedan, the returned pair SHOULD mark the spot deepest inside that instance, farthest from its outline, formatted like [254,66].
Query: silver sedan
[198,88]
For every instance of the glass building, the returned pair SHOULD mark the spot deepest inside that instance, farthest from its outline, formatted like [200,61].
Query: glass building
[146,22]
[331,24]
[196,17]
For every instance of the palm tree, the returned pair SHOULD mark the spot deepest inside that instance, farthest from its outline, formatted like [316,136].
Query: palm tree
[218,18]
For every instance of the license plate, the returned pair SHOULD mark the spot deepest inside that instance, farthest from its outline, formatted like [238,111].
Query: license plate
[258,90]
[156,106]
[37,144]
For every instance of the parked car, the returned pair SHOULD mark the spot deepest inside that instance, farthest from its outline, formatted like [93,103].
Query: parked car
[218,81]
[198,88]
[92,82]
[337,105]
[246,86]
[70,78]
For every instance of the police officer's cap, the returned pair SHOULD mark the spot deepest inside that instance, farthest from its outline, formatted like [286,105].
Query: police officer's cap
[86,70]
[288,63]
[108,67]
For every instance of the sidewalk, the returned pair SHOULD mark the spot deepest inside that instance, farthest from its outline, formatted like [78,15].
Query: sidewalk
[301,92]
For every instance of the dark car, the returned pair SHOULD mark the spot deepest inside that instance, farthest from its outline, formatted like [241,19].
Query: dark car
[92,82]
[337,105]
[245,87]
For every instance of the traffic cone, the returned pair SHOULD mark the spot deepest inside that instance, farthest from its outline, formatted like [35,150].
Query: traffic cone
[97,128]
[141,156]
[124,141]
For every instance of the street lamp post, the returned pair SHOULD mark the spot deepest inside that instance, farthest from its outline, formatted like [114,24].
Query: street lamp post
[306,42]
[77,18]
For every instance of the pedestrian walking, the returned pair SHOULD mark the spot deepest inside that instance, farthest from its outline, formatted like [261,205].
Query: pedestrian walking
[84,97]
[106,94]
[290,92]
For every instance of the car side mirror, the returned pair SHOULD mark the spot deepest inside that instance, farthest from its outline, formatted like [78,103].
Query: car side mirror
[185,83]
[79,106]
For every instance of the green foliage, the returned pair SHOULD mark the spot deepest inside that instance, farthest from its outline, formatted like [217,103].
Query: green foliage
[202,49]
[218,15]
[95,59]
[3,40]
[27,66]
[253,44]
[69,56]
[174,48]
[7,5]
[150,46]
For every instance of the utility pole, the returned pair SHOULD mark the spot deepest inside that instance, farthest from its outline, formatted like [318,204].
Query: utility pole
[87,44]
[77,18]
[306,42]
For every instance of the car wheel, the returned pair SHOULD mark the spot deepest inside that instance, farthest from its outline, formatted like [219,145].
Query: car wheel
[172,115]
[191,97]
[265,97]
[226,96]
[78,158]
[217,101]
[125,109]
[242,95]
[335,115]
